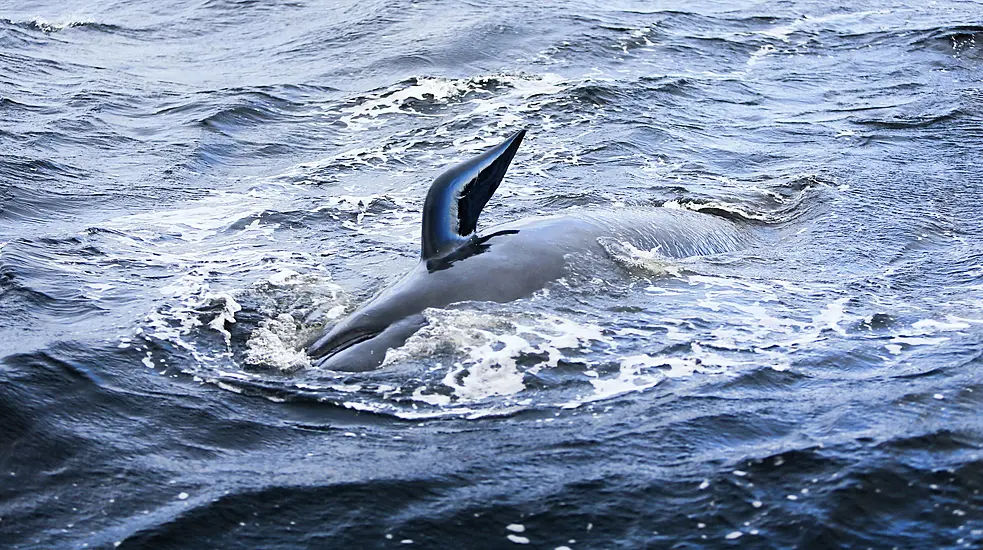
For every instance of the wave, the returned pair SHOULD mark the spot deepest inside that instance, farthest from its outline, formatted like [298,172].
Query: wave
[49,27]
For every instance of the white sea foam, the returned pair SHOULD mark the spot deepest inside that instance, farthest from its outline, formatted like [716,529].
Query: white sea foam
[62,23]
[487,349]
[436,90]
[761,52]
[226,316]
[199,220]
[395,101]
[651,261]
[635,373]
[278,343]
[400,221]
[199,244]
[506,100]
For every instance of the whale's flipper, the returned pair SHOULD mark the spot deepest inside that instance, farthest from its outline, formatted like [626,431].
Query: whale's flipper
[450,213]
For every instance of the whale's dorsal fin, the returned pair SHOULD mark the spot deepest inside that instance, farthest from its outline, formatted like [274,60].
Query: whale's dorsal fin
[456,197]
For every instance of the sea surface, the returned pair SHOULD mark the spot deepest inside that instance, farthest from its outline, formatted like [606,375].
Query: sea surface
[191,190]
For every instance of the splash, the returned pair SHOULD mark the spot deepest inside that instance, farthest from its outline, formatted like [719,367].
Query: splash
[651,262]
[67,22]
[492,354]
[278,343]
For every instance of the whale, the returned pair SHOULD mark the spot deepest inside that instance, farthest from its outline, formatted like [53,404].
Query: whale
[506,262]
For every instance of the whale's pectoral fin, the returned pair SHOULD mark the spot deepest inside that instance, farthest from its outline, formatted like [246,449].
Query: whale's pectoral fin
[450,213]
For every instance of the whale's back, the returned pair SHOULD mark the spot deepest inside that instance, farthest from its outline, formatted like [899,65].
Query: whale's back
[672,232]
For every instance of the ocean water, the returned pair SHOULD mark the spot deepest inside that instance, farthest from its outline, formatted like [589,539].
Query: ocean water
[192,189]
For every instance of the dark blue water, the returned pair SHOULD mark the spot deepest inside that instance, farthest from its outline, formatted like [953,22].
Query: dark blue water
[191,190]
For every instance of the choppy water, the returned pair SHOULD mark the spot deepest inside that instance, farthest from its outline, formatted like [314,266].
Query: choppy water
[193,188]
